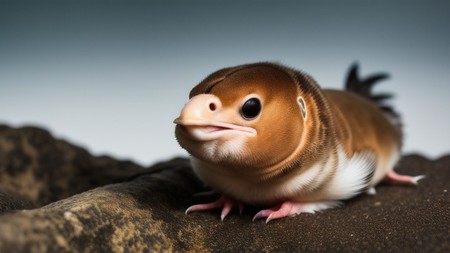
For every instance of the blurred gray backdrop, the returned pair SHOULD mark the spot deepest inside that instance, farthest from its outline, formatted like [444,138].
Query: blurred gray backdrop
[112,75]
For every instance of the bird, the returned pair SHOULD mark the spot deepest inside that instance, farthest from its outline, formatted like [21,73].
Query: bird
[267,135]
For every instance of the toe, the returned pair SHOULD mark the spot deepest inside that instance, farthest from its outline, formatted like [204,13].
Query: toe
[208,206]
[262,214]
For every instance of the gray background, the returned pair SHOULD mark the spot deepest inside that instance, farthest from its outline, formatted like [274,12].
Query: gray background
[112,75]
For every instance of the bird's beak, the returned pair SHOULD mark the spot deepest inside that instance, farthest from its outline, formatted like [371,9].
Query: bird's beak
[203,119]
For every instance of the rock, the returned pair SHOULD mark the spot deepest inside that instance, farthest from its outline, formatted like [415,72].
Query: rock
[41,169]
[105,205]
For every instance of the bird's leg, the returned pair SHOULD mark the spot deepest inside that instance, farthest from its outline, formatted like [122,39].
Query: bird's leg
[286,209]
[223,202]
[393,177]
[292,208]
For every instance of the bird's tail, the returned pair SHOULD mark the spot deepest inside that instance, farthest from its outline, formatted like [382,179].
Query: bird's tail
[363,87]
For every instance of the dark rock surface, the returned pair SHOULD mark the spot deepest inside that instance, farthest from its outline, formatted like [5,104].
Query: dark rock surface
[42,169]
[56,197]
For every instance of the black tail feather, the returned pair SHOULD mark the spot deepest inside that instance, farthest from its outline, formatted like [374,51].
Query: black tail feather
[364,87]
[380,97]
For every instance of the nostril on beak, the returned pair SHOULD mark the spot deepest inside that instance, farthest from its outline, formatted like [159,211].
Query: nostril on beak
[212,106]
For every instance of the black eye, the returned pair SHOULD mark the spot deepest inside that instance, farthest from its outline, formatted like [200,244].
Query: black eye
[251,108]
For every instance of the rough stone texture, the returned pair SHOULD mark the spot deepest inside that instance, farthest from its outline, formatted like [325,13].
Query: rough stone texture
[41,169]
[97,204]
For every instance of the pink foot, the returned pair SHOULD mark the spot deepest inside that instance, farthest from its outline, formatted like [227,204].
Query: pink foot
[286,209]
[225,202]
[392,176]
[292,208]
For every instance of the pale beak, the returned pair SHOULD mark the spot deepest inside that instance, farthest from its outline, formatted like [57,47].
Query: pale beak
[201,118]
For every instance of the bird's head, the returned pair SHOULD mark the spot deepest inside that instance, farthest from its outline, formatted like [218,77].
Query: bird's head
[246,117]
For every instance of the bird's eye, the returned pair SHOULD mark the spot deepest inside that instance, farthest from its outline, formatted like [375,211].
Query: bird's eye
[251,108]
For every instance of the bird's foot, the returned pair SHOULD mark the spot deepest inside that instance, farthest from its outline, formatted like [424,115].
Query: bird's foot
[223,202]
[393,177]
[286,209]
[292,208]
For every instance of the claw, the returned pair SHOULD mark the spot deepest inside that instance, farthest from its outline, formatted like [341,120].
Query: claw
[263,214]
[371,191]
[415,180]
[397,178]
[226,203]
[227,206]
[286,209]
[292,208]
[208,206]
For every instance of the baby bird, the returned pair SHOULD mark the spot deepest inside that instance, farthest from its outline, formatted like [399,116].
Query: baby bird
[267,135]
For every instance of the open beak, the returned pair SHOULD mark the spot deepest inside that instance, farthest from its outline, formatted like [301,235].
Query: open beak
[200,119]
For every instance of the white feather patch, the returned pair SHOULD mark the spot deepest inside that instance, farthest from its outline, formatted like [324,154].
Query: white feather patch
[216,151]
[312,207]
[310,179]
[352,174]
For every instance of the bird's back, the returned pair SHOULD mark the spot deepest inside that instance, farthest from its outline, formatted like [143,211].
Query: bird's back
[361,125]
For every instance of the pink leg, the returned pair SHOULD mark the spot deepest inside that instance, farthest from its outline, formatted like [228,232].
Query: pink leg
[226,203]
[292,208]
[392,176]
